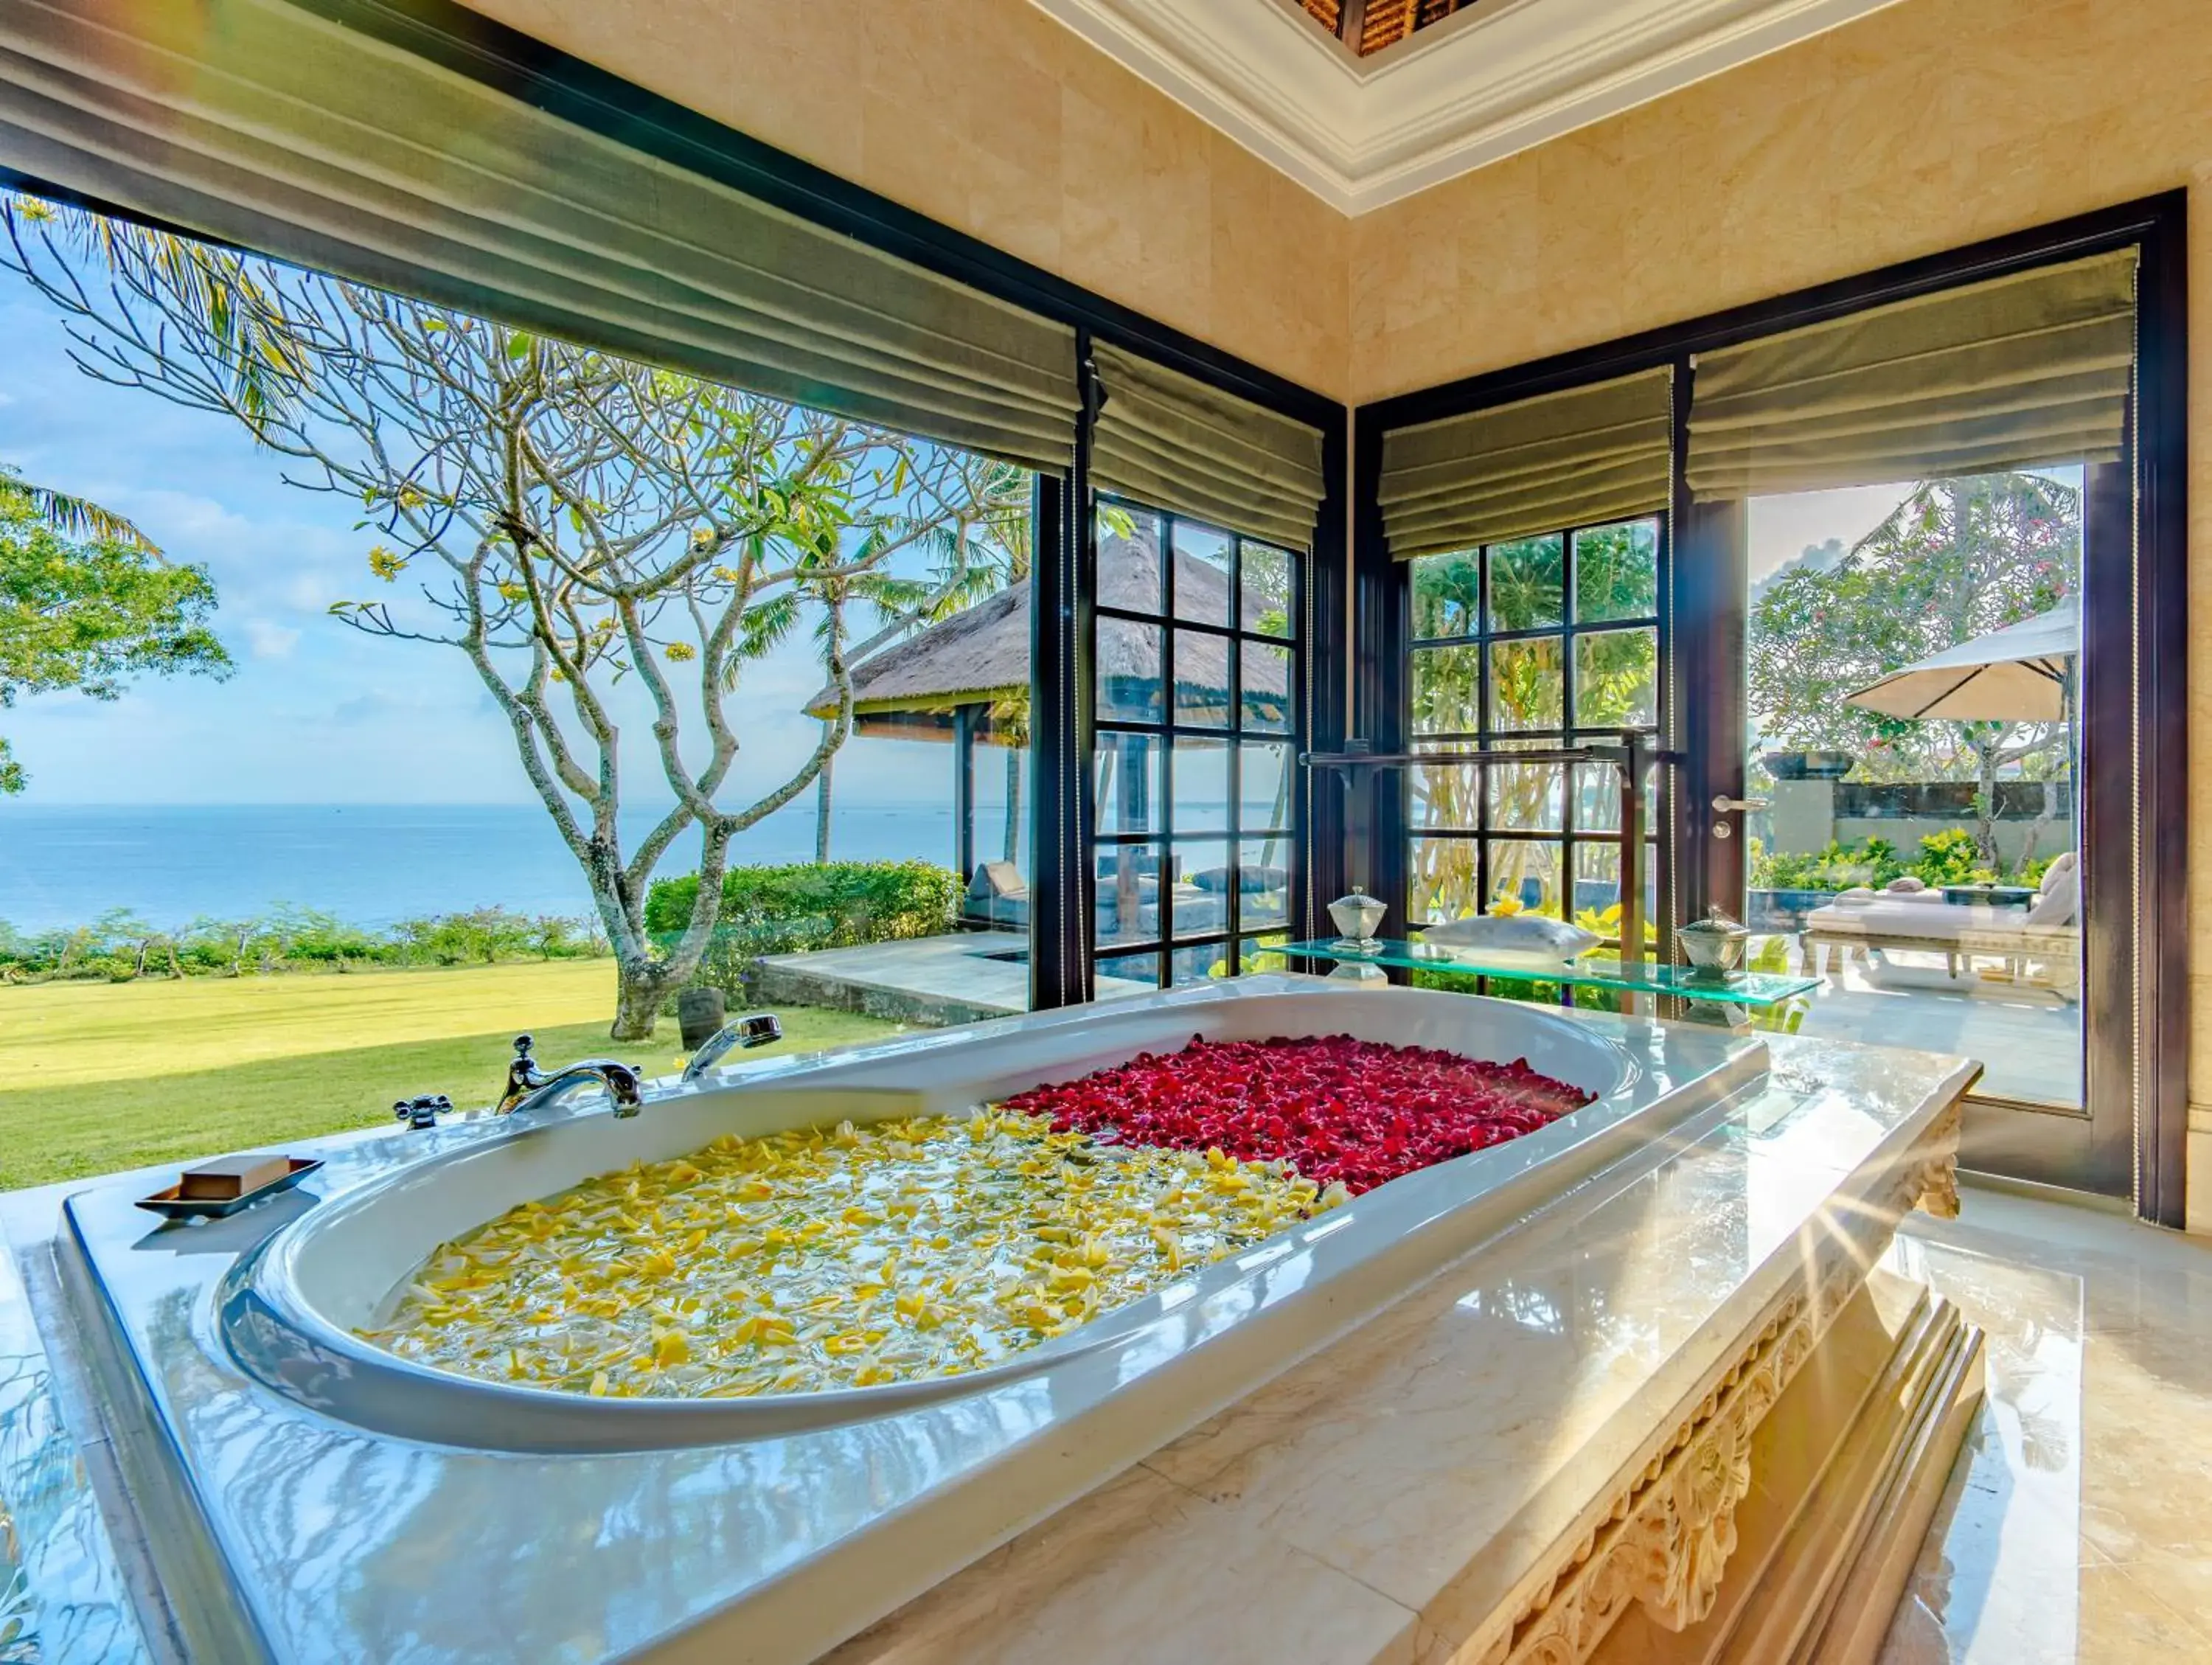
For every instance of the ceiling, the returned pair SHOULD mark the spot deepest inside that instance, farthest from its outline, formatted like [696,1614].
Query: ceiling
[1444,85]
[1368,26]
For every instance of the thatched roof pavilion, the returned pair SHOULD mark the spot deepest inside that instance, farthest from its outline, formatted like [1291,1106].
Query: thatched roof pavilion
[981,655]
[966,679]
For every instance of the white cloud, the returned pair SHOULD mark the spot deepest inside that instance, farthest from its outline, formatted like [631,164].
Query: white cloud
[1782,527]
[267,641]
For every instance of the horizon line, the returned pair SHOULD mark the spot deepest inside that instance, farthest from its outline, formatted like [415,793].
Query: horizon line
[8,804]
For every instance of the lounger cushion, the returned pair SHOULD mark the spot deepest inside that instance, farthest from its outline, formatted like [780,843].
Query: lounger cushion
[1859,896]
[2061,897]
[1902,918]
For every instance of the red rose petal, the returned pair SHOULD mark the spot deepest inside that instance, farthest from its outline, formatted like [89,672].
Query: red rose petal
[1335,1109]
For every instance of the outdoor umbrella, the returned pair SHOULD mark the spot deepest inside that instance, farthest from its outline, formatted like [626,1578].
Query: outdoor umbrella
[2019,674]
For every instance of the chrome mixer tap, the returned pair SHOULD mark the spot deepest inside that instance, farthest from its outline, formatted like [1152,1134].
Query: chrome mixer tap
[530,1088]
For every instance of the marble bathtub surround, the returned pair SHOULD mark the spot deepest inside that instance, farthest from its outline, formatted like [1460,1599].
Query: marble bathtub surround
[2070,1532]
[601,1529]
[62,1592]
[1844,1471]
[1453,1456]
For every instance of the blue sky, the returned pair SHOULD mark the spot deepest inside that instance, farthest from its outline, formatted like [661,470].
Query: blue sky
[317,712]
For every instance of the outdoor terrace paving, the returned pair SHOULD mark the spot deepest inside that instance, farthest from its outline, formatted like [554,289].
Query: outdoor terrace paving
[957,978]
[2028,1040]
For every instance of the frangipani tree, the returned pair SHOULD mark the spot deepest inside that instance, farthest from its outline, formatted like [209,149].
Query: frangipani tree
[1957,559]
[592,534]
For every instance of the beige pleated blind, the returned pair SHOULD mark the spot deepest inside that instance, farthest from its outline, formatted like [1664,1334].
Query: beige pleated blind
[1167,440]
[1575,458]
[263,124]
[2031,368]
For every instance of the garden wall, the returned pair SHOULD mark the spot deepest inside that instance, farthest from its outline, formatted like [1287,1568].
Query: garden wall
[1808,816]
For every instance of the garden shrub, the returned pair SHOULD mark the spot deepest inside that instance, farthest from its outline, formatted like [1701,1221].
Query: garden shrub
[1950,857]
[1839,867]
[121,947]
[803,907]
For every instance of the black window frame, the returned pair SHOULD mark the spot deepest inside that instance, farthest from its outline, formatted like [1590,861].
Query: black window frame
[1568,838]
[1166,945]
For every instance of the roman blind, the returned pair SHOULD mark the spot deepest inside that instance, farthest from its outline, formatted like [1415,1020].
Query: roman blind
[2035,368]
[1580,457]
[1166,439]
[269,125]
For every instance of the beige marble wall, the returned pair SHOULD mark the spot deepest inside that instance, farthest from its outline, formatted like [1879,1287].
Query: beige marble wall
[992,117]
[1924,126]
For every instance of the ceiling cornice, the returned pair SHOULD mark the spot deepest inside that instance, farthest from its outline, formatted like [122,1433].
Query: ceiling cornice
[1491,81]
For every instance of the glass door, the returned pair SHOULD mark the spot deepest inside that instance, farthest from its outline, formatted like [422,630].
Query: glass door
[1887,785]
[1196,731]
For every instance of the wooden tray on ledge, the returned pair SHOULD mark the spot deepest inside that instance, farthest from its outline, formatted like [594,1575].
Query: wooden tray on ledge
[171,1205]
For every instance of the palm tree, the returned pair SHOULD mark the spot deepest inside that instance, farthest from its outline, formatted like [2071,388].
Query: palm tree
[257,348]
[77,518]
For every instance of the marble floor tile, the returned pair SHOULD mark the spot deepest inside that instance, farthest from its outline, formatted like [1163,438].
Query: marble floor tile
[2126,1621]
[2077,1525]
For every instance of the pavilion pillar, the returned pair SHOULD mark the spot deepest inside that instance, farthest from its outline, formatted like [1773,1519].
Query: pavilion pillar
[964,790]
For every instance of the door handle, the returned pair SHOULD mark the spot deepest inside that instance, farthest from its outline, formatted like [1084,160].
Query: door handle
[1724,804]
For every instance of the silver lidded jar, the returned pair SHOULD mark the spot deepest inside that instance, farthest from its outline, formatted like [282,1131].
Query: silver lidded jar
[1715,947]
[1356,917]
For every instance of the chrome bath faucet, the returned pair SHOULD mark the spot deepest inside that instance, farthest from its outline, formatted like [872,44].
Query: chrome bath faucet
[530,1088]
[755,1028]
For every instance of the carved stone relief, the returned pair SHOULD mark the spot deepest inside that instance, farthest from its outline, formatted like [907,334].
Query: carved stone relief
[1667,1535]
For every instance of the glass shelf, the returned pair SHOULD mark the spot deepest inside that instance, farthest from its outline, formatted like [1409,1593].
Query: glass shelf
[1751,988]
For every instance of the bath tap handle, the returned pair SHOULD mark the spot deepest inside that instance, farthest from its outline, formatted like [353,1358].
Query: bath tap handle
[422,1114]
[523,1073]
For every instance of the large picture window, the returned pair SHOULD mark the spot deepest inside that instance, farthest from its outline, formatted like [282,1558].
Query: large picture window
[1538,644]
[1196,731]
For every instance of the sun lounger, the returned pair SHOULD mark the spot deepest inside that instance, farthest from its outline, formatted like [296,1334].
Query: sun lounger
[1861,922]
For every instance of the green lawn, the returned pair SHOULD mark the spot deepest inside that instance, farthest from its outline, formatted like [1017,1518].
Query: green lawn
[125,1075]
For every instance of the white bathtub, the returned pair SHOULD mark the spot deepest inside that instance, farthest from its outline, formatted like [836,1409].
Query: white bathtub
[287,1312]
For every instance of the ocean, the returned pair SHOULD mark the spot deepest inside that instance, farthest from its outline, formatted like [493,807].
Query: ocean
[372,865]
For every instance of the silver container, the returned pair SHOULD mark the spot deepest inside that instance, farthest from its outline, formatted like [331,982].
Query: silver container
[1715,947]
[1357,916]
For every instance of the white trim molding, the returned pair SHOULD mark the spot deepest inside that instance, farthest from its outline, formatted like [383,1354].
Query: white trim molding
[1494,80]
